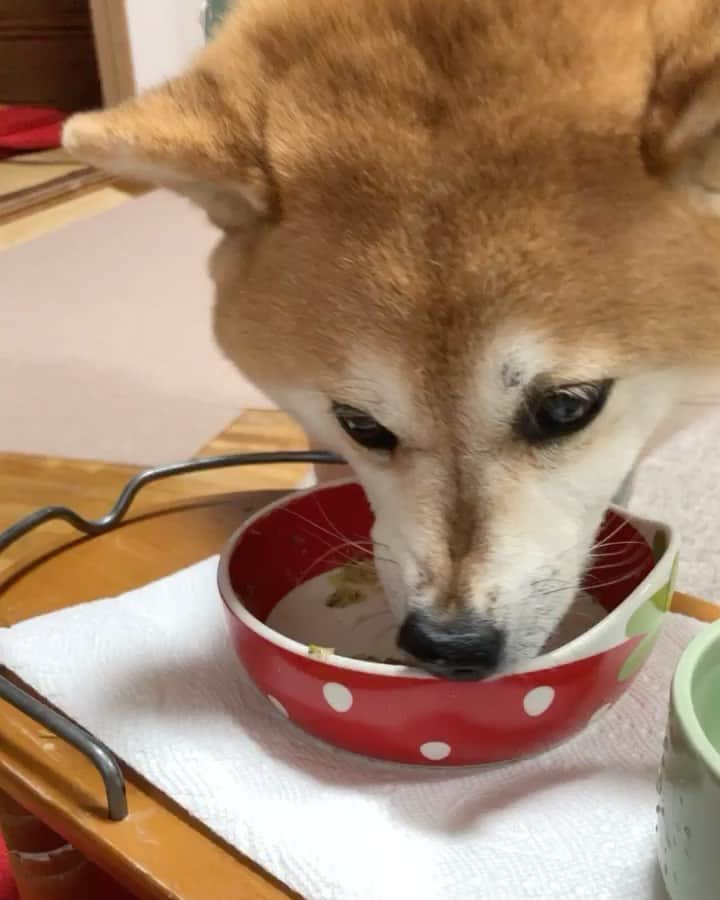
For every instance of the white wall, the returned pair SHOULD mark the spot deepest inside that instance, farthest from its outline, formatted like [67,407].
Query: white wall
[164,35]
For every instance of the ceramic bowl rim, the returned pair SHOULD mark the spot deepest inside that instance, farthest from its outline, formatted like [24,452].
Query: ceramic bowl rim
[683,705]
[582,647]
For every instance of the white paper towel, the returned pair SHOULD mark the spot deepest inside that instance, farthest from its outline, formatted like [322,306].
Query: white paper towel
[153,674]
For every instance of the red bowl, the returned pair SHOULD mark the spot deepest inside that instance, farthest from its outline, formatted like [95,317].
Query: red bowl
[406,715]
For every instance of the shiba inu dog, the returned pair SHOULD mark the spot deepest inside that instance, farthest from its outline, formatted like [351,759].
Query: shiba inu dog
[471,245]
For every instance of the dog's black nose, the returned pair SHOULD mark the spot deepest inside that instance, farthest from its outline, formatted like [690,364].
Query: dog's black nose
[463,648]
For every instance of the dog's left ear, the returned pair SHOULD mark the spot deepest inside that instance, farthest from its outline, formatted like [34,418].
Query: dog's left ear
[681,140]
[188,135]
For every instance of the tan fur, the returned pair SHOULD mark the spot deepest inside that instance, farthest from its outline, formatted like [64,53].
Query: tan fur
[498,138]
[405,180]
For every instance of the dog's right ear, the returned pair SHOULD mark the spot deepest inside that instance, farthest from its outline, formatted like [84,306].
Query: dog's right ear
[681,138]
[191,136]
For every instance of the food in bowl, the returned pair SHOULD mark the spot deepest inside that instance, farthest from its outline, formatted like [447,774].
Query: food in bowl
[342,610]
[283,558]
[368,631]
[351,583]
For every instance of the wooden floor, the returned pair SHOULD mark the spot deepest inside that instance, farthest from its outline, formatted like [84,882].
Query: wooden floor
[40,192]
[18,173]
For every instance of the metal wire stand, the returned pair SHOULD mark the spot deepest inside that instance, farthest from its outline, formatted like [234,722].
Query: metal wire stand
[99,755]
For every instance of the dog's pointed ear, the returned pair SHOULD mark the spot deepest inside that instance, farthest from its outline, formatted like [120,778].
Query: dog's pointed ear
[681,138]
[187,135]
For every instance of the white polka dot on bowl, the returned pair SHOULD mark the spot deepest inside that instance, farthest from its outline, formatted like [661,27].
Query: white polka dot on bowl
[435,750]
[538,700]
[337,696]
[278,706]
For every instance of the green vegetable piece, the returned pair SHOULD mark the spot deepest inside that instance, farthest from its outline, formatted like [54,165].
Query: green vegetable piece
[345,596]
[322,653]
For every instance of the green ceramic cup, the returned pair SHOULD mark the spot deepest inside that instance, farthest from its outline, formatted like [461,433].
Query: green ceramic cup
[689,784]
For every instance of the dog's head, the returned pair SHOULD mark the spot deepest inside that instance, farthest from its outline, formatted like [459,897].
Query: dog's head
[450,249]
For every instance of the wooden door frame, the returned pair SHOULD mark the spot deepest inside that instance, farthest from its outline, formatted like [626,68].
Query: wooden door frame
[112,44]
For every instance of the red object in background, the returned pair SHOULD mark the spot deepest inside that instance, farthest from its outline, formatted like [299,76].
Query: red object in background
[44,866]
[27,128]
[109,890]
[7,883]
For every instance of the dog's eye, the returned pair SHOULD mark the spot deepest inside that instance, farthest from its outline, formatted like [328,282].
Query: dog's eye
[363,429]
[562,410]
